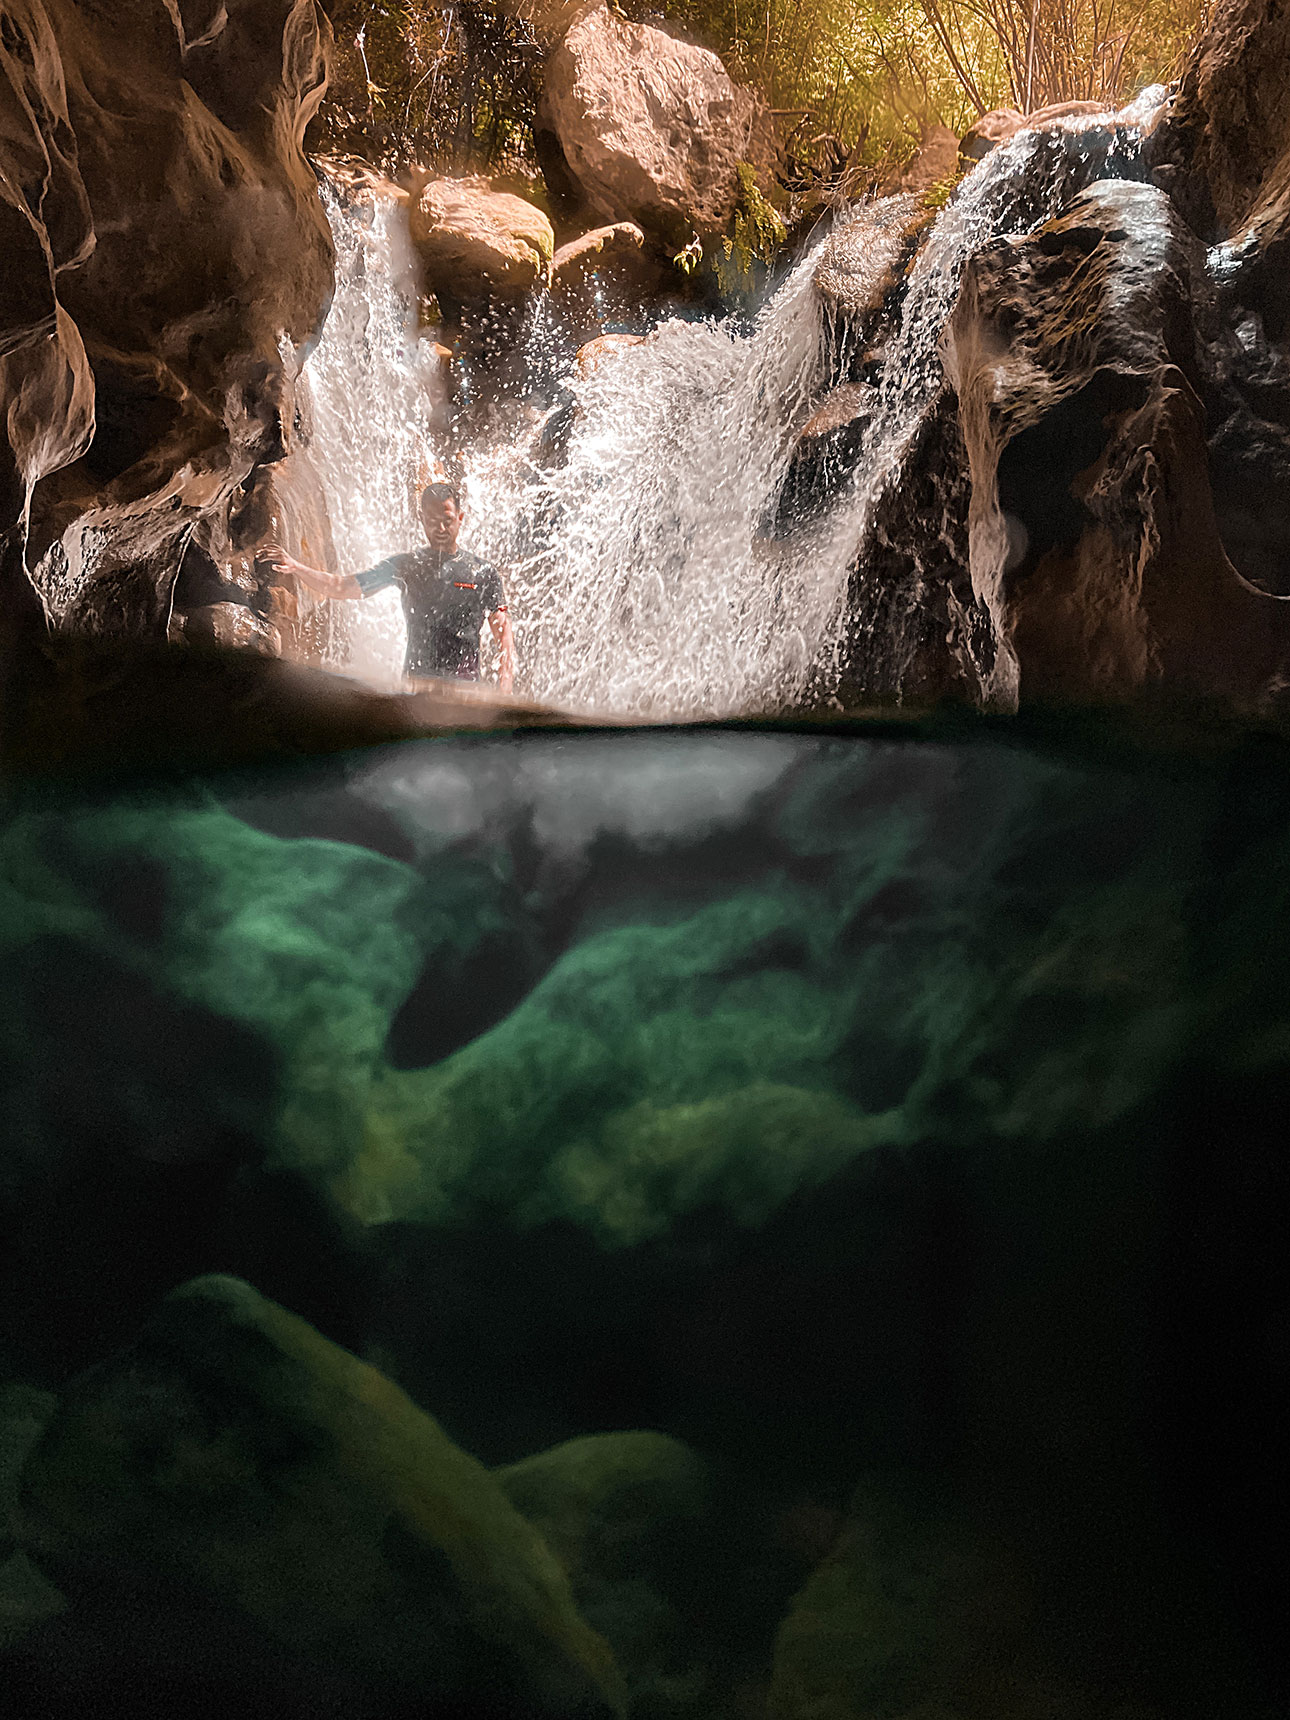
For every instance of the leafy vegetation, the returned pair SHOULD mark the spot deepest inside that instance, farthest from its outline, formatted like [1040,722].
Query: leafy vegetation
[455,84]
[451,86]
[857,81]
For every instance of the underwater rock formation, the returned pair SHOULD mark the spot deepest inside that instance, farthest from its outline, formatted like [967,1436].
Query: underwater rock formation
[168,237]
[630,1517]
[234,1456]
[822,1103]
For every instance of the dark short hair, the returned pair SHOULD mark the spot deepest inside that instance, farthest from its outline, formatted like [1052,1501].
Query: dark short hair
[442,490]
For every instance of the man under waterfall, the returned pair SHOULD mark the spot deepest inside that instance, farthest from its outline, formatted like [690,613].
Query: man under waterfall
[447,592]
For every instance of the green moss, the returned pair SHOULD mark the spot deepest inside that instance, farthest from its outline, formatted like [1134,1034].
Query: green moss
[234,1448]
[756,234]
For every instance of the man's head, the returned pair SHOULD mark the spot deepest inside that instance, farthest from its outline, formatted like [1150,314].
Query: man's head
[441,512]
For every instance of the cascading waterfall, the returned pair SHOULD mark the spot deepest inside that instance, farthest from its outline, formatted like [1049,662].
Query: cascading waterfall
[374,388]
[644,577]
[641,582]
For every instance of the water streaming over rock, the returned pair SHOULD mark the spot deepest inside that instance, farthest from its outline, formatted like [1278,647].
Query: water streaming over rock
[645,572]
[374,388]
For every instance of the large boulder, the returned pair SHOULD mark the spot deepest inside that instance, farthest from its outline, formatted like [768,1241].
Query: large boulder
[477,244]
[652,129]
[235,1462]
[170,236]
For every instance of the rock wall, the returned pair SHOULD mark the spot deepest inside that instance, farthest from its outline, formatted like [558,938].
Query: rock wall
[166,257]
[1093,505]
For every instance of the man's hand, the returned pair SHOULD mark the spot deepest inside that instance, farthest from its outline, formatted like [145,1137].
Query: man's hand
[325,584]
[280,561]
[499,623]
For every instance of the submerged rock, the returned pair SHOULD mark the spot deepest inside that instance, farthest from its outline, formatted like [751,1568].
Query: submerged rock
[627,1515]
[236,1458]
[652,129]
[928,1607]
[24,1411]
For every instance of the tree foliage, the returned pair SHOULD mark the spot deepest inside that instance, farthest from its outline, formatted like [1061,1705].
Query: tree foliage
[451,85]
[867,77]
[455,84]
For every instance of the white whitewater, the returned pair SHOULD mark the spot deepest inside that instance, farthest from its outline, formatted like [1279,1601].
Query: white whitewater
[374,388]
[643,576]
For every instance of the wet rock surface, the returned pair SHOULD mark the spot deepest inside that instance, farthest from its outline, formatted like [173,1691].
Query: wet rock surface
[1093,539]
[178,237]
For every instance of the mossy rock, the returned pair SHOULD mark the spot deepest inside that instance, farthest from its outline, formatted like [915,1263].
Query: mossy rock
[930,1607]
[617,1504]
[24,1411]
[628,1516]
[234,1457]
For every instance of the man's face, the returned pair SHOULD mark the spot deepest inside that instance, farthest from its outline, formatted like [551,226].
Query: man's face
[441,518]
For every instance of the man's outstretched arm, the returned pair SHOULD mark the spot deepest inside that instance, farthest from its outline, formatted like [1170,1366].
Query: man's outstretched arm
[499,622]
[325,584]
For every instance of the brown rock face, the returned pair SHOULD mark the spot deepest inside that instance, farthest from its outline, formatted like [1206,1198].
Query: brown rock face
[652,129]
[477,244]
[1093,540]
[160,222]
[1223,151]
[866,255]
[989,132]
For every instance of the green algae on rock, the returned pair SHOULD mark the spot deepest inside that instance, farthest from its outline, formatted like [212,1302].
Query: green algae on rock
[630,1516]
[234,1455]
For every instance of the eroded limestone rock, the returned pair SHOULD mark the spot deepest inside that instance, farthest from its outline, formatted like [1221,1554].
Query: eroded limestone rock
[1093,538]
[163,225]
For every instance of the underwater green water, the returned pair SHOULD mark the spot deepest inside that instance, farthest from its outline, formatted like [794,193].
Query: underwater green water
[895,1126]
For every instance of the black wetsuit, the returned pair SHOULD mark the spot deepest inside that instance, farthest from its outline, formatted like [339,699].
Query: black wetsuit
[445,599]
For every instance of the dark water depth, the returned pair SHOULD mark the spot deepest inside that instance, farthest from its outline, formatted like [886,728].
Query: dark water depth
[897,1127]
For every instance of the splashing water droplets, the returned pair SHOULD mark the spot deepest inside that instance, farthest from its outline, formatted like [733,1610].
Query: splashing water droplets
[646,572]
[374,388]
